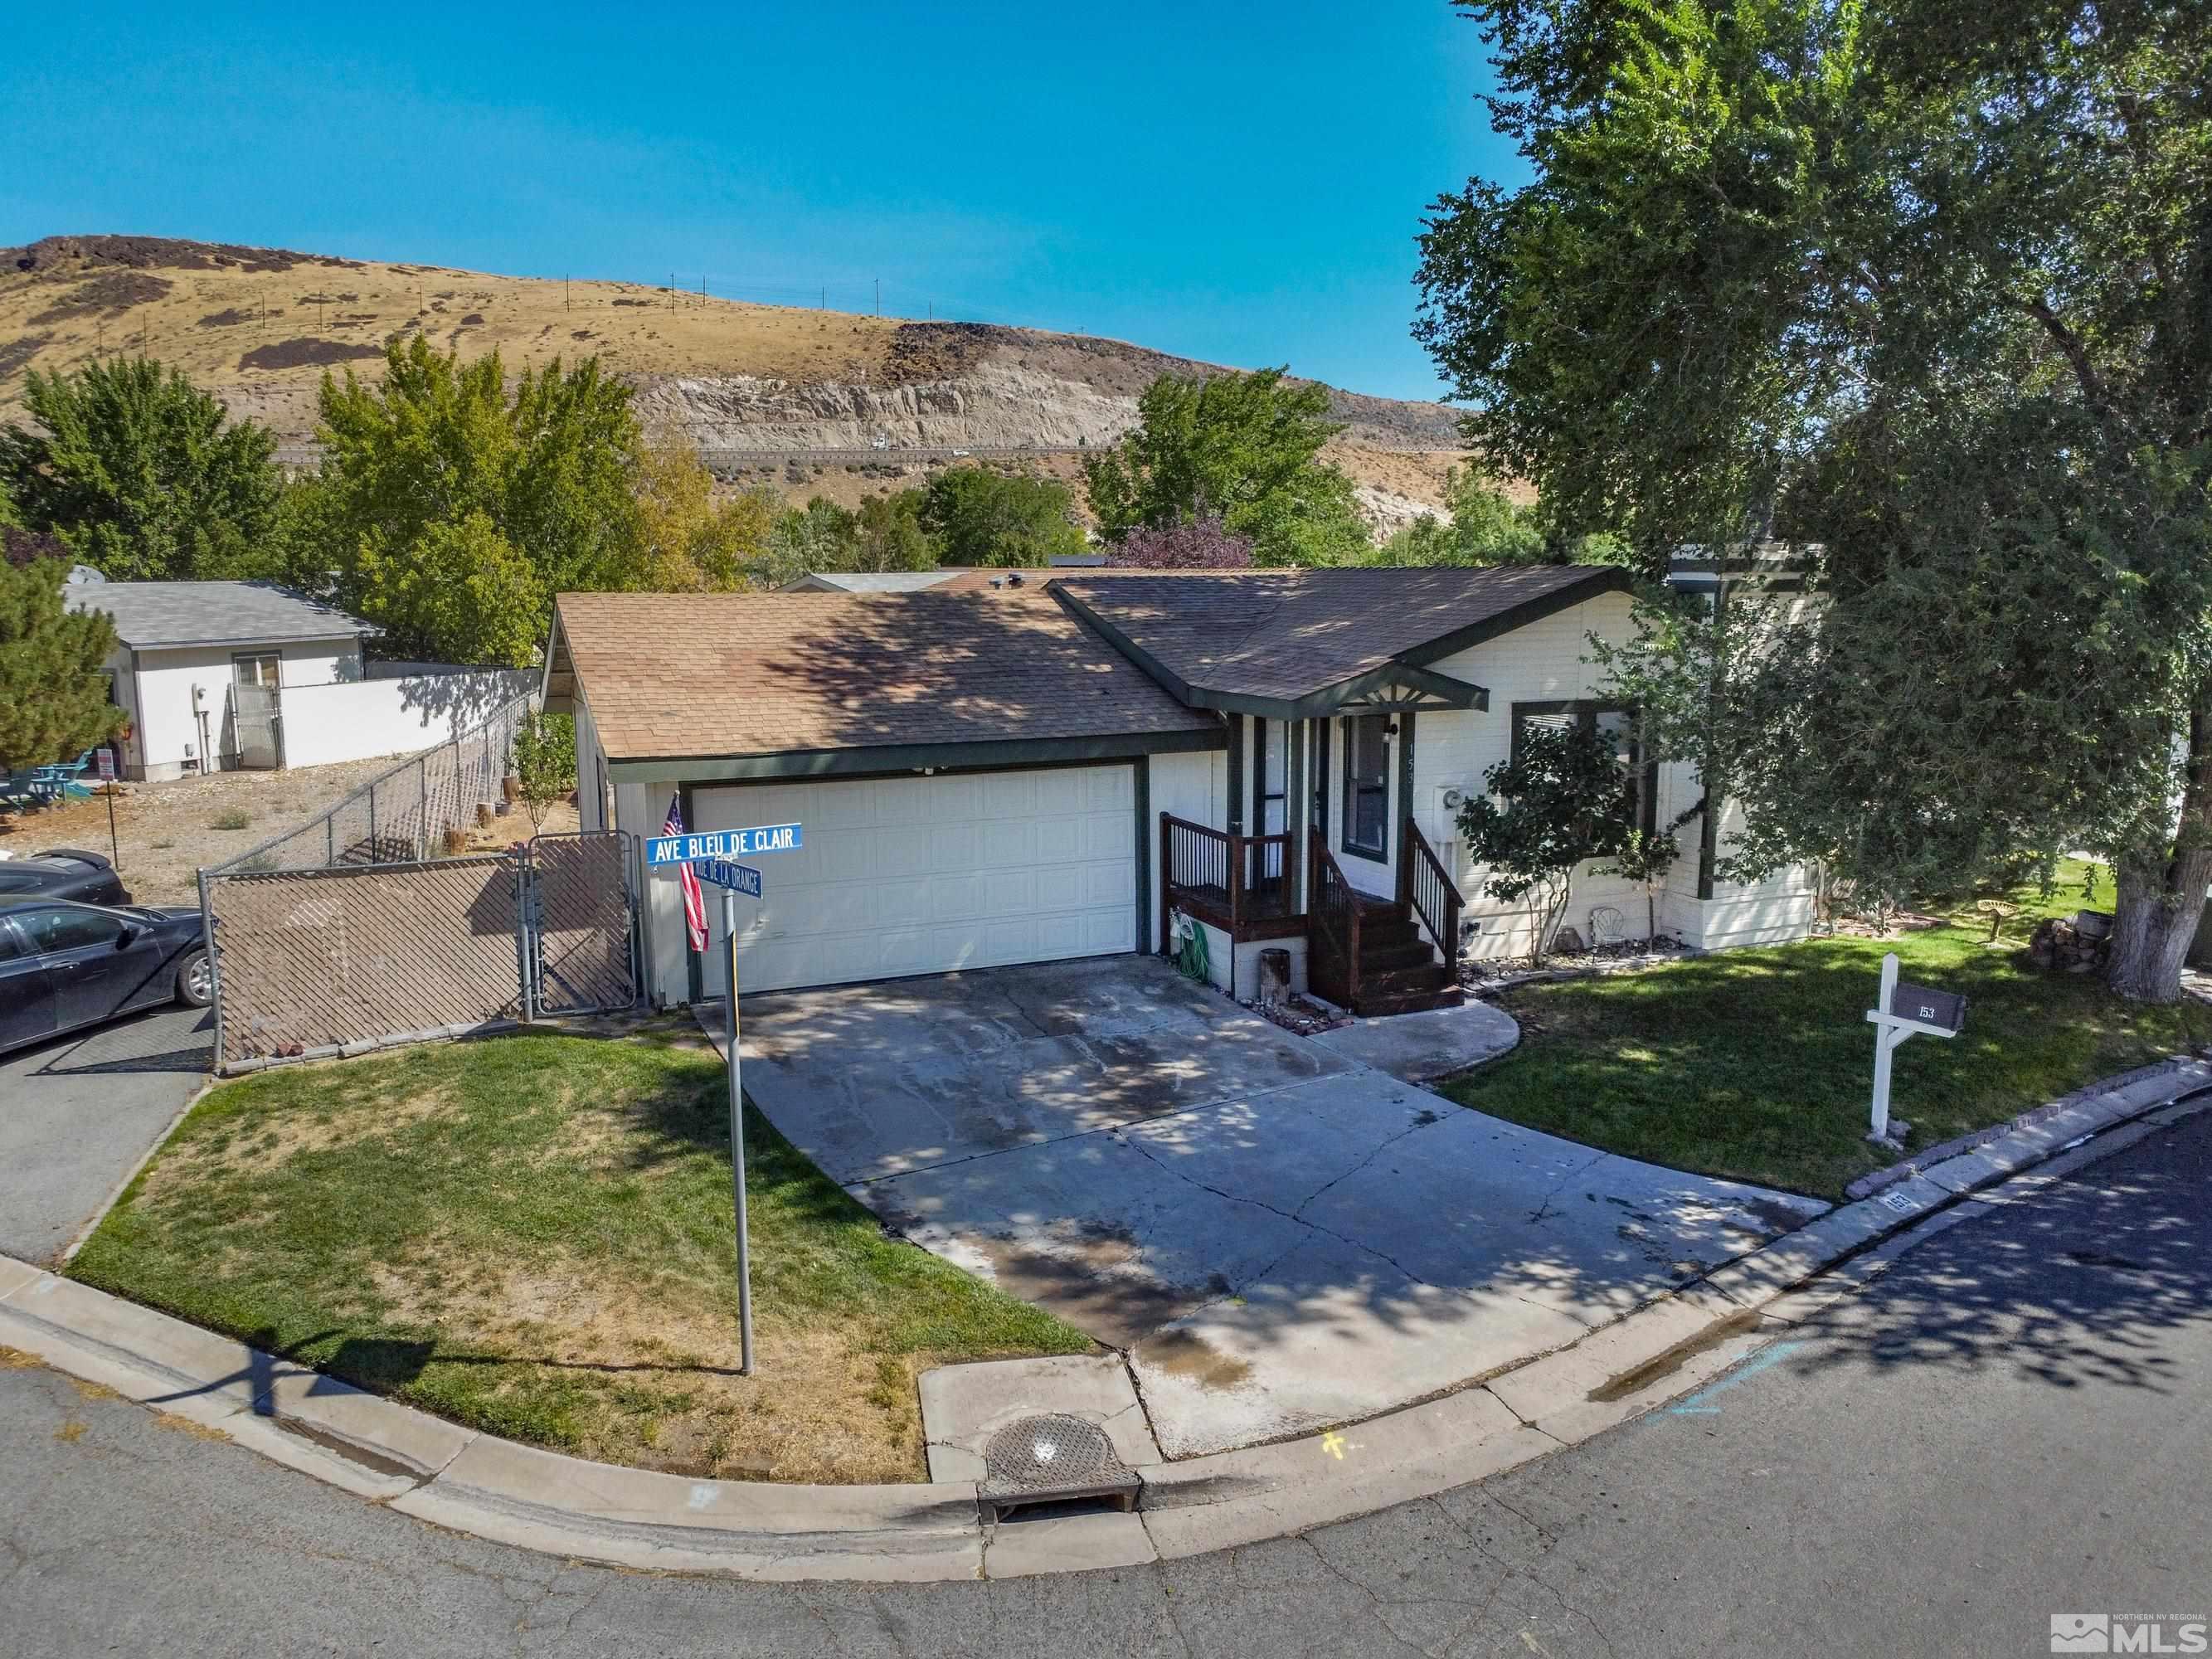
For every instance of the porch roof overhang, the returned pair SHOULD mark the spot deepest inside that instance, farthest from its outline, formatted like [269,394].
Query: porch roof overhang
[1399,684]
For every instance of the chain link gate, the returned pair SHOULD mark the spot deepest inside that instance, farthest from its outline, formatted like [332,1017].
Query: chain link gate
[312,961]
[578,946]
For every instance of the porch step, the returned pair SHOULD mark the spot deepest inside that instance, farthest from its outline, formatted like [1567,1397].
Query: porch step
[1429,975]
[1386,934]
[1404,953]
[1411,1002]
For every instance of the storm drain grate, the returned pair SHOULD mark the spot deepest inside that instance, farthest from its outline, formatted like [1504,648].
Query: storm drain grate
[1051,1458]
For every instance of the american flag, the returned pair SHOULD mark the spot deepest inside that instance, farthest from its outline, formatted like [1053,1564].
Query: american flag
[695,902]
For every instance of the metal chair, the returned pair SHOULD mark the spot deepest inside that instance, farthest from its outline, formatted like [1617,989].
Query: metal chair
[1608,927]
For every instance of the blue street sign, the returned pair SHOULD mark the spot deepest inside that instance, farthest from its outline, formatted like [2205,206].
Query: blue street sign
[722,844]
[741,877]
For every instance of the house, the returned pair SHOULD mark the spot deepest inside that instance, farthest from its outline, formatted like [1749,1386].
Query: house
[993,775]
[199,665]
[215,676]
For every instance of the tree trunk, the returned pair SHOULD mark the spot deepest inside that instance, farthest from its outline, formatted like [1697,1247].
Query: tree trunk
[2158,901]
[2155,922]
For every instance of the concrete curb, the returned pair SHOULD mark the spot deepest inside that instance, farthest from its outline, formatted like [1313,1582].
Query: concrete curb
[498,1489]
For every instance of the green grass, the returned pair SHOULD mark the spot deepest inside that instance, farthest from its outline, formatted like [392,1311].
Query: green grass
[532,1234]
[1758,1064]
[234,819]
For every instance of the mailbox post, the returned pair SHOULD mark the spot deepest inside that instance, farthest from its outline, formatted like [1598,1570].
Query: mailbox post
[1904,1011]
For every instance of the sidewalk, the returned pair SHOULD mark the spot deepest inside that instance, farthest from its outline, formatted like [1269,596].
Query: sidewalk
[495,1489]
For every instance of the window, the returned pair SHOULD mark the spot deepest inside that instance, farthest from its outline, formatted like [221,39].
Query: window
[1367,785]
[68,927]
[257,670]
[1616,723]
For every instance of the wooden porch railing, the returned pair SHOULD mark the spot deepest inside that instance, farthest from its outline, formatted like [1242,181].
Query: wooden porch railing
[1240,884]
[1333,933]
[1425,883]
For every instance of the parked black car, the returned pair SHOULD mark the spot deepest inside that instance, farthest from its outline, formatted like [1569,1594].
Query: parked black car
[62,872]
[66,965]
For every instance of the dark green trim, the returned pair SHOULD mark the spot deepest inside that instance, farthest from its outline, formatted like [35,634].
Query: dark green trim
[1405,781]
[1141,788]
[1444,688]
[912,757]
[1235,774]
[1603,578]
[1346,814]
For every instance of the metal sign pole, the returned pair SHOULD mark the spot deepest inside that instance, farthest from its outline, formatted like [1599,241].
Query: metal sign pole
[737,1144]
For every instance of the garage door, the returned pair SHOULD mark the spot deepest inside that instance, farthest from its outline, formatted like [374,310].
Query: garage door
[923,875]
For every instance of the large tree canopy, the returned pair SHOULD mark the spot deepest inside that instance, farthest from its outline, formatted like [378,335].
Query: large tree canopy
[455,512]
[1928,294]
[1244,448]
[140,473]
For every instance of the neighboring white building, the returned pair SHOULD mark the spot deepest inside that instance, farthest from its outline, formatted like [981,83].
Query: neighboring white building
[218,676]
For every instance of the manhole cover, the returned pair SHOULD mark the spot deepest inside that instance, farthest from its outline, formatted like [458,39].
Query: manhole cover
[1050,1459]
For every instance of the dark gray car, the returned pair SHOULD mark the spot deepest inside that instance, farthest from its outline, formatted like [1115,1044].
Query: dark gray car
[64,965]
[62,872]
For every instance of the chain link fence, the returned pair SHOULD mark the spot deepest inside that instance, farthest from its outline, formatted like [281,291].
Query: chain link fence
[400,816]
[327,960]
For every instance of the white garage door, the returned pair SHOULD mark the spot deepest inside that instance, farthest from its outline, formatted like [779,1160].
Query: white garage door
[922,875]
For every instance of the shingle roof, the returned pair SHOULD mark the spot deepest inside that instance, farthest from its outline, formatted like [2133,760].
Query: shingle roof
[148,614]
[1283,635]
[670,675]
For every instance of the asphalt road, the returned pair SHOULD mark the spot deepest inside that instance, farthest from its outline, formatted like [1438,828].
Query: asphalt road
[2012,1423]
[78,1113]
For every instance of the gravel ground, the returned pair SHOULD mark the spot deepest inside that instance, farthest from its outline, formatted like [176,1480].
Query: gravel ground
[165,831]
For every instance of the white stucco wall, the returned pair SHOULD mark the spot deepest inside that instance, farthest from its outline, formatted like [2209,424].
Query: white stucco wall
[361,720]
[166,731]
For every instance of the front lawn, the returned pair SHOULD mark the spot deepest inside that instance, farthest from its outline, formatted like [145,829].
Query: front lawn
[1758,1064]
[532,1234]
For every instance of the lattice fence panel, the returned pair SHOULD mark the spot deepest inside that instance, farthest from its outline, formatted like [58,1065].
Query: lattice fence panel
[314,958]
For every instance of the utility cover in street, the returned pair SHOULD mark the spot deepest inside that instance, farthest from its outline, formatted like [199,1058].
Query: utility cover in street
[722,844]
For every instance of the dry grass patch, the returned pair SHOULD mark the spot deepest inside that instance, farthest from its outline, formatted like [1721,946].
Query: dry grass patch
[532,1235]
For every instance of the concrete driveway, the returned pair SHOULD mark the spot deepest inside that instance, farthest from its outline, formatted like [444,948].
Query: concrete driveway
[1279,1235]
[77,1114]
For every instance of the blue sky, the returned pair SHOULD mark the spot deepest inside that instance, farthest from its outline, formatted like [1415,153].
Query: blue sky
[1237,182]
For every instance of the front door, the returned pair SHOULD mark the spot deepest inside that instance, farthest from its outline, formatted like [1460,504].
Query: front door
[253,709]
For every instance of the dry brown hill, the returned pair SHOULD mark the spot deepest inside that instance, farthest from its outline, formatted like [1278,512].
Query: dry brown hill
[258,326]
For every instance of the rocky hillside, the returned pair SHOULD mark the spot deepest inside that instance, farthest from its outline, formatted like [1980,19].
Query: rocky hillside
[258,326]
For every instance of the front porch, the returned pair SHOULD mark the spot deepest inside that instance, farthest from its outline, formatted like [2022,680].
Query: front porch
[1366,953]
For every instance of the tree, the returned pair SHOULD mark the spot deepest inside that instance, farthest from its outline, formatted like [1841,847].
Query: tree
[455,512]
[892,534]
[53,697]
[142,474]
[544,761]
[687,541]
[1645,859]
[1930,297]
[820,536]
[1559,801]
[981,518]
[1244,448]
[1202,544]
[1487,527]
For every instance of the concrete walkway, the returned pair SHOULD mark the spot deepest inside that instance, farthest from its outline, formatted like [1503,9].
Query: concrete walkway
[1280,1235]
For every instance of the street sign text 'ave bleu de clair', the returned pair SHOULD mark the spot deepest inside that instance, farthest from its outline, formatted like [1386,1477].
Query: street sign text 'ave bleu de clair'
[722,844]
